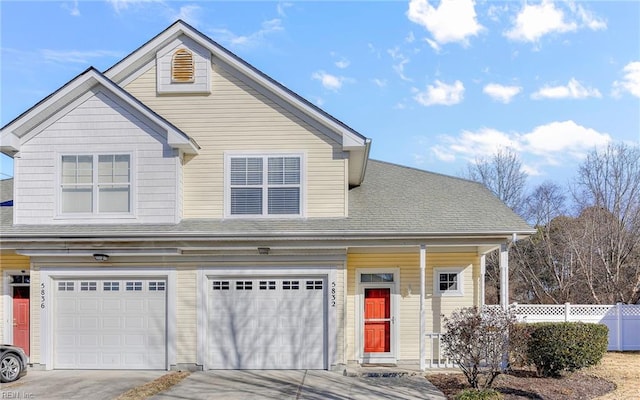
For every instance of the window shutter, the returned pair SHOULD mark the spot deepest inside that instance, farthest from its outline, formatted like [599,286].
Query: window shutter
[182,67]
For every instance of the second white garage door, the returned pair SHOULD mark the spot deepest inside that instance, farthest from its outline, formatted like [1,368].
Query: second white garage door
[267,323]
[110,324]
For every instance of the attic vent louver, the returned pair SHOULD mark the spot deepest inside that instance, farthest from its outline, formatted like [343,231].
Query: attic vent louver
[182,66]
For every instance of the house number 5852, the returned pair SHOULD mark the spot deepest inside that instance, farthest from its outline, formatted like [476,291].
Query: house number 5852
[42,295]
[333,294]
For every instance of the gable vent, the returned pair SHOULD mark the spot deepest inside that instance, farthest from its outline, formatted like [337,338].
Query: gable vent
[182,66]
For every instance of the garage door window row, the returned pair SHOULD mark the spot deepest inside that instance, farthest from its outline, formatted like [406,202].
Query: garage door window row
[268,285]
[111,286]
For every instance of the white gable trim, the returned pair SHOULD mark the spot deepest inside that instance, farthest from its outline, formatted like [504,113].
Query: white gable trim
[17,132]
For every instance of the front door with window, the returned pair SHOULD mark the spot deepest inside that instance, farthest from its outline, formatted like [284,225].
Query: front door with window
[378,317]
[21,317]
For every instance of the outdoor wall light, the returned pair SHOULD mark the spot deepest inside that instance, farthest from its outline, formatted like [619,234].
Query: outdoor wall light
[263,250]
[101,257]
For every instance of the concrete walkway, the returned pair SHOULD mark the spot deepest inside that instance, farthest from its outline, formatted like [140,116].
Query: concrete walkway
[320,385]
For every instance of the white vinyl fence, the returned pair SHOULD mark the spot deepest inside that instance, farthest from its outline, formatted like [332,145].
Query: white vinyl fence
[623,321]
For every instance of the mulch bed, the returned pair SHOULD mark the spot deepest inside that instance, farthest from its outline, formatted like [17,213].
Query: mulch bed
[524,384]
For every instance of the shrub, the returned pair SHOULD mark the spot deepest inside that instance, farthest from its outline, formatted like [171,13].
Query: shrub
[478,342]
[484,394]
[566,346]
[519,337]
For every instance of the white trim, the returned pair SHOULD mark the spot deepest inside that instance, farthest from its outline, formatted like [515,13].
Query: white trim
[205,274]
[394,286]
[48,274]
[228,155]
[78,87]
[7,303]
[459,271]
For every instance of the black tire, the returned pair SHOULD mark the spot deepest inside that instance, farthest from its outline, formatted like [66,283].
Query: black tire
[10,368]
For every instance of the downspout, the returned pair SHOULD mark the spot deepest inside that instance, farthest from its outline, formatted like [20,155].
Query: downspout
[423,262]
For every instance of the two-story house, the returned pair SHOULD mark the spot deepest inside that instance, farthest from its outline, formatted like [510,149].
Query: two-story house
[184,210]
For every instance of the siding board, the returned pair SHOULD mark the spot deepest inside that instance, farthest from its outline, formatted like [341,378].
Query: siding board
[409,307]
[236,117]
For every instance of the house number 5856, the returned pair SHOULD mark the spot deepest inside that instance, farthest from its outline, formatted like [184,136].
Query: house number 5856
[42,295]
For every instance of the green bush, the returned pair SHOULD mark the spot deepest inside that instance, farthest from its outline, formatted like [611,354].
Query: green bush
[484,394]
[566,346]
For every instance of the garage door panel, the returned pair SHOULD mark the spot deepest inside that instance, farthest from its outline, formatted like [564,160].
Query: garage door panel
[111,324]
[263,323]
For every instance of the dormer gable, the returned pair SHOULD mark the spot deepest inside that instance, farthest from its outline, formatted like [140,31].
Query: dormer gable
[181,35]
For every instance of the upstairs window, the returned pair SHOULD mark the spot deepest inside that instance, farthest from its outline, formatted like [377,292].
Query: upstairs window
[96,184]
[264,185]
[182,68]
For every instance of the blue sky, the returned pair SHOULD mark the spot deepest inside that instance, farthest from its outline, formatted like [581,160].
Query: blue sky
[434,84]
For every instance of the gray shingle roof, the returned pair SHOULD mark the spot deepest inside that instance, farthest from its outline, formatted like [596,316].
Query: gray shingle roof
[392,201]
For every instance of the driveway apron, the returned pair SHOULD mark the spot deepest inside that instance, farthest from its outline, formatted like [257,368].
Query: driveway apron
[285,384]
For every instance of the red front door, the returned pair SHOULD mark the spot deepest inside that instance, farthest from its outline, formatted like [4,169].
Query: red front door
[21,317]
[377,320]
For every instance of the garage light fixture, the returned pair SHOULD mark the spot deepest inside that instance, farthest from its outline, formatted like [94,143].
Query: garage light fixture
[101,257]
[264,250]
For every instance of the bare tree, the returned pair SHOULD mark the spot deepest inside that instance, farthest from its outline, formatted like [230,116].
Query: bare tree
[606,242]
[501,173]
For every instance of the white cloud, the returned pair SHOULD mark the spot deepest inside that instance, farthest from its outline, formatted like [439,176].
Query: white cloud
[501,93]
[630,82]
[77,56]
[73,9]
[251,40]
[189,13]
[552,144]
[380,82]
[572,90]
[537,20]
[401,61]
[120,5]
[331,82]
[281,8]
[441,93]
[343,63]
[588,19]
[451,21]
[560,138]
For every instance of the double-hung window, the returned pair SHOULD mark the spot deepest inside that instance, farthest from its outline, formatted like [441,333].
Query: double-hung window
[96,184]
[269,185]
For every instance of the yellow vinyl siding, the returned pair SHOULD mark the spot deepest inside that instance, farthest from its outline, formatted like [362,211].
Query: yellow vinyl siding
[235,117]
[186,319]
[13,262]
[409,307]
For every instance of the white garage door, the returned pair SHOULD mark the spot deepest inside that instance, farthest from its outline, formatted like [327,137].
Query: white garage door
[110,324]
[267,323]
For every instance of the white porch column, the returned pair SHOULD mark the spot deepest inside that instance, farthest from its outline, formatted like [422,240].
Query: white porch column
[504,276]
[483,272]
[423,263]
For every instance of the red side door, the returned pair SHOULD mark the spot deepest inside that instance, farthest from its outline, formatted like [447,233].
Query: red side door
[377,320]
[21,317]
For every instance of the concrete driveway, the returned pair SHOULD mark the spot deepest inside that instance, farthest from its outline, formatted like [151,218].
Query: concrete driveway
[320,385]
[325,385]
[75,385]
